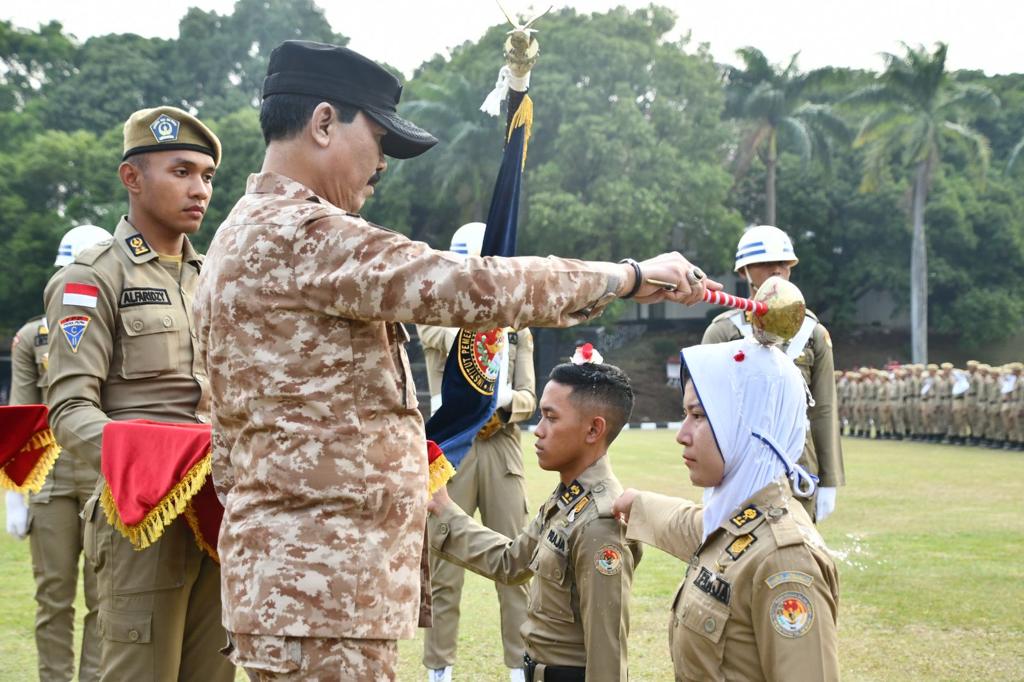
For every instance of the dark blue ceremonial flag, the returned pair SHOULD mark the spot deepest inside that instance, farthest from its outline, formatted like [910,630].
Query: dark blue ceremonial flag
[468,388]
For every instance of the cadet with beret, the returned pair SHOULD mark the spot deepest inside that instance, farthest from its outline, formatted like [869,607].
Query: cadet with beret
[318,446]
[574,549]
[53,522]
[764,251]
[491,478]
[122,347]
[760,596]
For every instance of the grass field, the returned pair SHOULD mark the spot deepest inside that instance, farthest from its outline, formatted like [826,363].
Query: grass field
[929,541]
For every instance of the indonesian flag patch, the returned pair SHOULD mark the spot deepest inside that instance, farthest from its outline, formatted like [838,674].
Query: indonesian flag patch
[83,295]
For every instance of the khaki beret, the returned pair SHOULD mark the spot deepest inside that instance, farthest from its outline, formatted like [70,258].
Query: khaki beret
[972,363]
[165,128]
[946,365]
[932,367]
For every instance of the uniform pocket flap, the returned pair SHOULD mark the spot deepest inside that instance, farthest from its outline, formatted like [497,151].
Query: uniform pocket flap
[707,618]
[131,628]
[143,322]
[551,565]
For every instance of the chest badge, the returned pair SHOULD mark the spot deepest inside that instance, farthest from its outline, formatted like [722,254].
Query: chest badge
[739,546]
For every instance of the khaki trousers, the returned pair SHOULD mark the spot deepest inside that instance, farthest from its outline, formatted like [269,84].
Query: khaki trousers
[55,540]
[268,658]
[492,480]
[160,614]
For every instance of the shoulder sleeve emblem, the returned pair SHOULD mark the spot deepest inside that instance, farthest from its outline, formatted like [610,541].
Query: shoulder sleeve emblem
[74,328]
[774,581]
[791,614]
[82,295]
[608,560]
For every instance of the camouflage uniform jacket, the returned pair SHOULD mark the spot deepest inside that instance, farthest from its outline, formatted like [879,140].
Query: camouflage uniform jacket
[318,446]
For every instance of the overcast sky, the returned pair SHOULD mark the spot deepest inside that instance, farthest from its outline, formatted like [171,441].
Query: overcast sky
[982,34]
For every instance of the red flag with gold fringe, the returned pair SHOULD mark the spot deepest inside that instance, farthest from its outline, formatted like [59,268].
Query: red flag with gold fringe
[156,471]
[27,447]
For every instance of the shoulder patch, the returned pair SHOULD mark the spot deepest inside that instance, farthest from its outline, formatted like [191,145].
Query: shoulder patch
[137,244]
[745,516]
[791,614]
[74,327]
[608,560]
[774,581]
[740,545]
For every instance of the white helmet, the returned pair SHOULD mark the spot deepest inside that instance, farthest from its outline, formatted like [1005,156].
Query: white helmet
[76,240]
[469,239]
[764,244]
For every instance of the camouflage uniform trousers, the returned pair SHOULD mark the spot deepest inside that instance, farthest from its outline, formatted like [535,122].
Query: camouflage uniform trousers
[269,658]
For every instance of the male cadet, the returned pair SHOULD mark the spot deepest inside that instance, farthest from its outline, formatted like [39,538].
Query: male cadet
[318,446]
[491,478]
[55,528]
[121,347]
[575,549]
[929,401]
[764,251]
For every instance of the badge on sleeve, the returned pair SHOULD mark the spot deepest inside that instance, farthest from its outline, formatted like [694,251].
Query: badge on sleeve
[81,295]
[608,560]
[791,614]
[777,579]
[74,328]
[165,128]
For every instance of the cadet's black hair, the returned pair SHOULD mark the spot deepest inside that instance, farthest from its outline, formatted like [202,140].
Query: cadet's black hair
[284,116]
[604,386]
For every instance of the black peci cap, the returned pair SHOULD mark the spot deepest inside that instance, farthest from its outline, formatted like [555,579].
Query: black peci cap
[337,74]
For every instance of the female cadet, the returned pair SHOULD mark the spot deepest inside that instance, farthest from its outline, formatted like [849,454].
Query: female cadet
[760,595]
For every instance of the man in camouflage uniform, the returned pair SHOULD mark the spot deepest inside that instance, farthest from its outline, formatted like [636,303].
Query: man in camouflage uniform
[54,524]
[491,478]
[122,347]
[318,445]
[764,251]
[575,549]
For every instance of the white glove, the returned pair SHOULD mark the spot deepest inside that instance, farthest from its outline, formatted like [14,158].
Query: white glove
[825,504]
[17,515]
[504,384]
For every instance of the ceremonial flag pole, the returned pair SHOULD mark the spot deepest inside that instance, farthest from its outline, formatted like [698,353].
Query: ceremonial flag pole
[472,370]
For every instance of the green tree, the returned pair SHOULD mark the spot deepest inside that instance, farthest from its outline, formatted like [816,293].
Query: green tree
[919,112]
[773,105]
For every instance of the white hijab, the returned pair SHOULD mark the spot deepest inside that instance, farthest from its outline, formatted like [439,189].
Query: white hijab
[755,400]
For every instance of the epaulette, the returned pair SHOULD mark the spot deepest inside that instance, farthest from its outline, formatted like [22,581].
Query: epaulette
[786,531]
[89,255]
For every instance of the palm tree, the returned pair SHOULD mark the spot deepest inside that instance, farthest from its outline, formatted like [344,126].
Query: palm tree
[772,103]
[917,111]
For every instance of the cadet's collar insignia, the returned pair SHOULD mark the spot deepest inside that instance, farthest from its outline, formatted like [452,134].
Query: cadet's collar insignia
[740,545]
[137,244]
[572,492]
[165,128]
[134,296]
[556,540]
[580,506]
[745,516]
[774,581]
[74,327]
[791,614]
[709,583]
[608,560]
[42,335]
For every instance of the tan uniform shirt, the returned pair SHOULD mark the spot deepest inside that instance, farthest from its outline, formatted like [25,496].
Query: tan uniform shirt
[318,445]
[579,599]
[823,453]
[760,597]
[128,352]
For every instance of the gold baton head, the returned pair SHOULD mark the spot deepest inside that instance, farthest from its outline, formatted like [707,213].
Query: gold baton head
[786,310]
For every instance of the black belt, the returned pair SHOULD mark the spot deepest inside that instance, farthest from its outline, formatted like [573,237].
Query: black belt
[554,673]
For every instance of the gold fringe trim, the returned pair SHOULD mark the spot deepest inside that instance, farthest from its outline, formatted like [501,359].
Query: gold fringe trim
[193,522]
[149,530]
[523,117]
[441,471]
[41,440]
